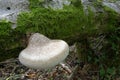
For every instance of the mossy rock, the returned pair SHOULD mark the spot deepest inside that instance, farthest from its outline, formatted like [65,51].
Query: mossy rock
[70,24]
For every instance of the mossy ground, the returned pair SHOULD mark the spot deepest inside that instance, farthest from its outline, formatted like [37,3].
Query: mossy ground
[70,24]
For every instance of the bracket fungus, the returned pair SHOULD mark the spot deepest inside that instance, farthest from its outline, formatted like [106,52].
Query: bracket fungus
[43,53]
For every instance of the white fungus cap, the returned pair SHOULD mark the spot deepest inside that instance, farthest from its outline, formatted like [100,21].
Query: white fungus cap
[43,53]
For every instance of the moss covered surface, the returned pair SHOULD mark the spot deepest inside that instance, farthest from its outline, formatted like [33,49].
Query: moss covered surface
[9,41]
[70,24]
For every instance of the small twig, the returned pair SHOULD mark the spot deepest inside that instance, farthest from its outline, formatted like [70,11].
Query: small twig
[73,73]
[9,61]
[66,68]
[15,67]
[98,44]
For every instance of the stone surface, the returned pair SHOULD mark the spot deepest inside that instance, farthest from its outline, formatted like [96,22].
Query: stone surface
[56,4]
[90,4]
[113,4]
[9,9]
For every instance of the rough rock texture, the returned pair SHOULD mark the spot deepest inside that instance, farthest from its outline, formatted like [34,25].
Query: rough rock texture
[113,4]
[88,4]
[9,9]
[56,4]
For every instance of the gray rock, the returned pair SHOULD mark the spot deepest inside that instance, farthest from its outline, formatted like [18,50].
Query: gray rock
[113,5]
[9,9]
[56,4]
[89,4]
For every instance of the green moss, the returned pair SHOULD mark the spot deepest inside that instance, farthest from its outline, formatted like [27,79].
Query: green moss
[35,4]
[5,28]
[11,53]
[55,24]
[71,24]
[9,41]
